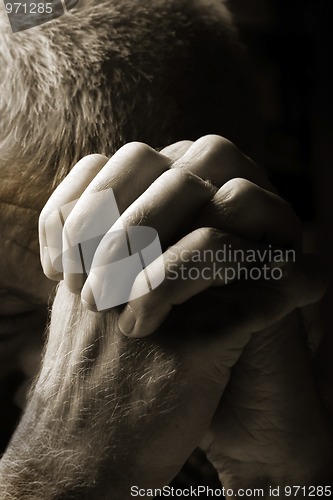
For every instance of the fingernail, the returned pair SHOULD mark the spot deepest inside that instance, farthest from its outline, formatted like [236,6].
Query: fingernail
[126,321]
[90,307]
[74,282]
[87,297]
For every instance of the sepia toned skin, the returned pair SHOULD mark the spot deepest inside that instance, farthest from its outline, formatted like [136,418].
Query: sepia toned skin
[100,395]
[23,287]
[108,411]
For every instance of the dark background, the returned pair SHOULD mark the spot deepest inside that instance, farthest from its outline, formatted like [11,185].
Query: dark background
[291,47]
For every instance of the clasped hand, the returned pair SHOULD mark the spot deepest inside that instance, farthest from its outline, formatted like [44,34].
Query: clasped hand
[201,198]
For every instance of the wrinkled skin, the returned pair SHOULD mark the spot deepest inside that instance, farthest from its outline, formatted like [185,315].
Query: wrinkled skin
[23,287]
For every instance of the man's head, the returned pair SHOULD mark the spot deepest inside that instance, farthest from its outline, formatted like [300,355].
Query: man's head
[113,72]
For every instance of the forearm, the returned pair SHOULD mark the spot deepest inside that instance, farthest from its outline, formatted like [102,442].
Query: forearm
[93,390]
[101,411]
[46,461]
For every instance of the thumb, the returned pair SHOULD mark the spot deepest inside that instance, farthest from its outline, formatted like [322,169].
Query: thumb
[243,305]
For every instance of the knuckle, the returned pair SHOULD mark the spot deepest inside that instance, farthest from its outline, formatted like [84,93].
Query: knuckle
[139,149]
[189,181]
[239,192]
[239,195]
[143,157]
[112,247]
[94,156]
[88,163]
[240,186]
[218,145]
